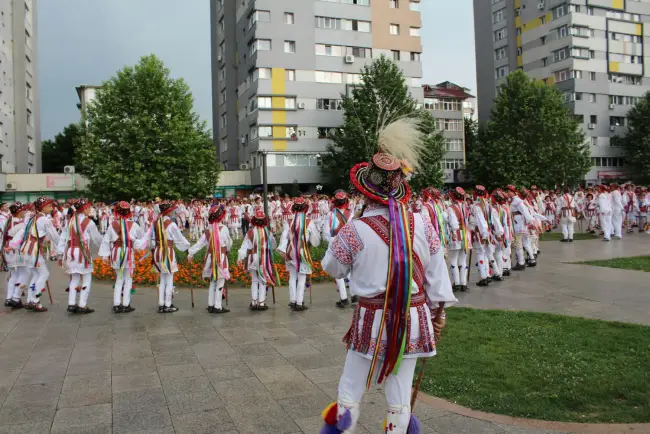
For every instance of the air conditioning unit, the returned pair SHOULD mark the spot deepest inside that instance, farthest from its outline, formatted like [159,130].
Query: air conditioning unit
[68,169]
[612,128]
[11,186]
[349,58]
[219,57]
[591,126]
[243,166]
[611,106]
[540,6]
[301,105]
[243,140]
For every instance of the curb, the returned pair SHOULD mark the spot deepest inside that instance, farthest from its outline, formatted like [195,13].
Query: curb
[573,427]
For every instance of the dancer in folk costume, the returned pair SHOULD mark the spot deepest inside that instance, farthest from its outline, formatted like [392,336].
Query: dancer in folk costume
[631,207]
[77,261]
[295,248]
[18,272]
[460,239]
[256,256]
[605,212]
[339,217]
[435,213]
[216,238]
[481,233]
[234,220]
[591,213]
[618,211]
[324,207]
[568,214]
[122,238]
[522,221]
[400,316]
[103,219]
[166,236]
[38,230]
[285,208]
[642,206]
[550,211]
[503,247]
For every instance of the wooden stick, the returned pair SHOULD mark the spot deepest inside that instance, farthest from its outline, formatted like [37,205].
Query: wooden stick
[47,285]
[310,289]
[192,292]
[273,292]
[418,383]
[225,286]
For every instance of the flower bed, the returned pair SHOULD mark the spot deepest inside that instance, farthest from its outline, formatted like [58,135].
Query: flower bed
[189,273]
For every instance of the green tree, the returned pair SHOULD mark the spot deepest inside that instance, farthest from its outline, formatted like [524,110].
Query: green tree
[60,151]
[531,138]
[471,132]
[382,98]
[637,141]
[143,140]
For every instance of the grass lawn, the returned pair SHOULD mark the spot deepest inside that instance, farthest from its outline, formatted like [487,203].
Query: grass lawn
[543,366]
[641,263]
[557,236]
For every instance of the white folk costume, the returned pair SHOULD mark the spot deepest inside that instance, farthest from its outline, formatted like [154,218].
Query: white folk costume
[295,246]
[77,261]
[618,212]
[338,217]
[568,212]
[234,220]
[393,323]
[503,251]
[122,238]
[460,238]
[256,255]
[38,230]
[642,206]
[631,208]
[433,209]
[590,212]
[481,234]
[605,211]
[216,239]
[522,221]
[285,211]
[166,236]
[18,272]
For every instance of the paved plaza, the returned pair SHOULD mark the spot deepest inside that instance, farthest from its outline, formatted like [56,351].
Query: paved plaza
[251,372]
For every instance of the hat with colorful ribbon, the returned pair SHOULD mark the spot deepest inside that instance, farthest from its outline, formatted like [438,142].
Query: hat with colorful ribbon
[299,205]
[42,202]
[17,207]
[166,207]
[217,214]
[341,199]
[259,219]
[81,204]
[123,209]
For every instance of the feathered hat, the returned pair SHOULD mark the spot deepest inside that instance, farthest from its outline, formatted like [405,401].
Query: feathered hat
[457,193]
[480,191]
[217,214]
[17,207]
[259,219]
[123,209]
[166,207]
[81,204]
[42,202]
[299,205]
[385,175]
[341,199]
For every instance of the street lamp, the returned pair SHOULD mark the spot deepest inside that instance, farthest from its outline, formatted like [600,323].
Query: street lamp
[265,184]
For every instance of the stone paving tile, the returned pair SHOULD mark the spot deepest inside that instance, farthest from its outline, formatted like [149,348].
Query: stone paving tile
[277,373]
[95,429]
[67,418]
[179,371]
[324,375]
[136,399]
[193,401]
[289,388]
[18,413]
[124,383]
[140,420]
[306,405]
[28,428]
[229,372]
[203,422]
[176,386]
[83,397]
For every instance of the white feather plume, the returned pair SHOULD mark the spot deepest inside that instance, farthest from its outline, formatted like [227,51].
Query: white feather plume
[403,140]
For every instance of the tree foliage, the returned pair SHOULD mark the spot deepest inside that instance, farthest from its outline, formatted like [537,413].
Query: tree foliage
[60,151]
[637,141]
[531,138]
[142,139]
[382,98]
[471,134]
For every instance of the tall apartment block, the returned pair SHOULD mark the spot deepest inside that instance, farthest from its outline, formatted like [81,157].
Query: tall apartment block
[592,50]
[279,68]
[20,149]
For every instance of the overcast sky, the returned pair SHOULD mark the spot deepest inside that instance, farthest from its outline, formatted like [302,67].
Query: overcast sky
[86,41]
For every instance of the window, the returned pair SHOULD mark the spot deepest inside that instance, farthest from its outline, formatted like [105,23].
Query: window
[560,54]
[593,119]
[592,54]
[224,145]
[289,46]
[415,57]
[592,97]
[542,40]
[365,53]
[329,50]
[449,124]
[501,34]
[454,145]
[289,18]
[28,38]
[325,132]
[290,103]
[625,79]
[2,133]
[576,74]
[290,132]
[617,121]
[414,6]
[395,54]
[608,161]
[354,78]
[252,104]
[559,11]
[223,121]
[562,75]
[290,74]
[258,16]
[329,104]
[502,71]
[265,132]
[29,91]
[543,19]
[223,95]
[594,141]
[580,52]
[328,77]
[393,4]
[453,163]
[414,31]
[394,29]
[499,15]
[592,76]
[221,26]
[254,132]
[328,23]
[577,96]
[624,37]
[623,58]
[623,100]
[29,117]
[519,51]
[293,160]
[583,32]
[562,32]
[544,61]
[265,102]
[259,45]
[500,53]
[590,10]
[222,74]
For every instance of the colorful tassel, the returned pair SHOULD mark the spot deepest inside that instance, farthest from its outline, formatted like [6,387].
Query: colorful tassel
[334,424]
[414,426]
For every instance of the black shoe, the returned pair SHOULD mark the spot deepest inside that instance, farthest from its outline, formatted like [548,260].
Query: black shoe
[210,309]
[222,310]
[128,309]
[497,279]
[483,282]
[506,273]
[354,299]
[261,307]
[532,264]
[539,252]
[564,240]
[171,309]
[463,288]
[118,309]
[252,306]
[17,304]
[571,240]
[342,303]
[292,305]
[72,309]
[299,307]
[455,287]
[84,310]
[8,302]
[519,267]
[161,309]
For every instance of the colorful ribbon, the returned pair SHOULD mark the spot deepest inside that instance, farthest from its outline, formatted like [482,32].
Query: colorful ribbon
[266,269]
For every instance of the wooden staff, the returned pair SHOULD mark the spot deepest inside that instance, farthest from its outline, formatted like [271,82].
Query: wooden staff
[273,292]
[225,293]
[192,294]
[47,285]
[418,383]
[310,289]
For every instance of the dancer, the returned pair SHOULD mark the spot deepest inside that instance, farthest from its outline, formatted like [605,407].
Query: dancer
[567,215]
[77,260]
[522,221]
[18,272]
[399,318]
[256,256]
[460,240]
[216,238]
[481,234]
[294,246]
[338,218]
[122,237]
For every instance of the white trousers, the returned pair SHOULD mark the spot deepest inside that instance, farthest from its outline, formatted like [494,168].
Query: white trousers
[22,279]
[522,241]
[343,293]
[567,228]
[12,280]
[617,223]
[38,281]
[481,258]
[495,259]
[606,225]
[166,289]
[397,389]
[296,286]
[458,266]
[506,254]
[258,288]
[122,288]
[215,291]
[77,280]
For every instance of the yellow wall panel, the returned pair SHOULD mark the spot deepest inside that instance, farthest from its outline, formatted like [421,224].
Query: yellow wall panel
[613,66]
[278,102]
[550,80]
[639,29]
[530,25]
[549,17]
[517,21]
[278,85]
[517,3]
[520,61]
[519,41]
[618,4]
[279,117]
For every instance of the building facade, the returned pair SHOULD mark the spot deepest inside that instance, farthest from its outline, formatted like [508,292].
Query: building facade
[447,102]
[279,68]
[20,148]
[592,50]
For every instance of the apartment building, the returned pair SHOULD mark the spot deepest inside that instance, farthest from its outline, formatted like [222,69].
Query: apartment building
[450,104]
[592,50]
[20,149]
[279,68]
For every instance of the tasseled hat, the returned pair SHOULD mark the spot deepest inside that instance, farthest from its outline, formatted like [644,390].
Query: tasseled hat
[480,191]
[166,207]
[457,193]
[259,219]
[341,199]
[17,207]
[81,204]
[300,205]
[431,192]
[42,202]
[511,188]
[123,209]
[217,214]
